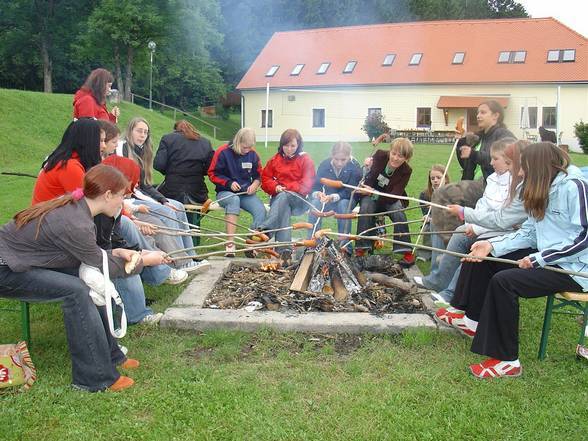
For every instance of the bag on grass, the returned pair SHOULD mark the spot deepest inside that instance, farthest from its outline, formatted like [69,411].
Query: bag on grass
[16,366]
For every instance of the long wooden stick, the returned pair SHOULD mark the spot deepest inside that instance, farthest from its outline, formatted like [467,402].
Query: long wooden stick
[381,213]
[456,254]
[304,243]
[338,184]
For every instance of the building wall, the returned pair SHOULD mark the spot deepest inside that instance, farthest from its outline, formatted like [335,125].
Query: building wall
[346,108]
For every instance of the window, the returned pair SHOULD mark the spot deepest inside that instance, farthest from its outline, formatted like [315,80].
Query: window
[349,67]
[553,56]
[458,58]
[415,60]
[318,117]
[561,56]
[512,57]
[297,69]
[424,117]
[388,60]
[532,117]
[519,56]
[323,68]
[549,118]
[374,111]
[503,57]
[270,118]
[568,55]
[272,70]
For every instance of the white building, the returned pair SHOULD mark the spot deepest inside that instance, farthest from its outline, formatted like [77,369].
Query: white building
[421,75]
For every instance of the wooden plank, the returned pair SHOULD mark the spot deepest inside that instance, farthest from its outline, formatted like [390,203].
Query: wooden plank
[302,277]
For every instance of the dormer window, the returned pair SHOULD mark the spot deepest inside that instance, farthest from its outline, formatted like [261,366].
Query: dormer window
[349,67]
[519,56]
[504,57]
[297,69]
[272,70]
[389,60]
[323,68]
[512,57]
[415,60]
[458,58]
[561,56]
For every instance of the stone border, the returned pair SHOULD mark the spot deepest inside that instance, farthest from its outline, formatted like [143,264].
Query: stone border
[187,312]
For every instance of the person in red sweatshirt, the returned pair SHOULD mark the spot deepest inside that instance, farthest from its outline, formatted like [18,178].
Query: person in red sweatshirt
[287,177]
[90,100]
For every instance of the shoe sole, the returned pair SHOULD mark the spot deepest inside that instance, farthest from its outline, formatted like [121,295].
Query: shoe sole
[197,269]
[459,331]
[494,378]
[176,282]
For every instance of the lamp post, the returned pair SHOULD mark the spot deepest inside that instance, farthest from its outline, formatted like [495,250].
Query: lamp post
[151,45]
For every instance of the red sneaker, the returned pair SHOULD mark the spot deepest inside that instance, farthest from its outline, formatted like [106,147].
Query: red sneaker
[407,260]
[455,320]
[492,368]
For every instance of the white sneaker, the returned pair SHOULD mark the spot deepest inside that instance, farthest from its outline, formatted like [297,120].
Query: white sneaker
[123,349]
[176,276]
[418,280]
[194,267]
[151,319]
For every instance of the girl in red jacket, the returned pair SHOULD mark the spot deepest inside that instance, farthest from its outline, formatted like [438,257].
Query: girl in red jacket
[90,100]
[288,171]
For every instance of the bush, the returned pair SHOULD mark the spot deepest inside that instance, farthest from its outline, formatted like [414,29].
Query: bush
[375,125]
[581,131]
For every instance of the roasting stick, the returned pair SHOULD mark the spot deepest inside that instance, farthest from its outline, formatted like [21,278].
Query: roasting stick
[262,247]
[203,209]
[312,207]
[352,215]
[318,217]
[339,184]
[452,253]
[362,234]
[295,226]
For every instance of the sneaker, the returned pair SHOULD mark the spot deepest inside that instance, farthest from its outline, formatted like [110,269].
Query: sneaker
[196,267]
[129,363]
[418,280]
[492,368]
[440,300]
[453,319]
[123,349]
[176,276]
[230,250]
[122,383]
[151,319]
[407,260]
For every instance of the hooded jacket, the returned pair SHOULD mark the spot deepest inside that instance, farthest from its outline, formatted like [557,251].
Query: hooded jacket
[296,173]
[227,167]
[561,237]
[86,106]
[350,174]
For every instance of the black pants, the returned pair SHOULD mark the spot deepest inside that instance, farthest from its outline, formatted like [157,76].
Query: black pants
[369,206]
[489,293]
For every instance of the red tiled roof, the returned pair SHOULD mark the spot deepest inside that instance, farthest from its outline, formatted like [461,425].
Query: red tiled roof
[481,40]
[461,102]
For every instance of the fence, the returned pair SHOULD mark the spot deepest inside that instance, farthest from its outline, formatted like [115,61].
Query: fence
[176,111]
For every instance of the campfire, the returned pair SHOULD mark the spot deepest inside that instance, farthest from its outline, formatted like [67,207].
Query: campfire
[325,279]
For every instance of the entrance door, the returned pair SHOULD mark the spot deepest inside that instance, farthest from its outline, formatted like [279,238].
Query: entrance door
[472,121]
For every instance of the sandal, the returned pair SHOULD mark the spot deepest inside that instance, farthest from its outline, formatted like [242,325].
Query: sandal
[230,250]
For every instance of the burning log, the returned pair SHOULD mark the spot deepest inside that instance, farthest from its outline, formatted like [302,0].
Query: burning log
[392,282]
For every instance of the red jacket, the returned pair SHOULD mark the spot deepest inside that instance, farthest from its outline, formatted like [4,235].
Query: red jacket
[86,106]
[296,174]
[59,180]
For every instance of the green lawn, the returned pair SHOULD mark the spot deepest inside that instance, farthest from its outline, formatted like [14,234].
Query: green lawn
[272,386]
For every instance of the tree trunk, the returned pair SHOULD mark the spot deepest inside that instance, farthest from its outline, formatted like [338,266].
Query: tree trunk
[129,74]
[47,65]
[118,72]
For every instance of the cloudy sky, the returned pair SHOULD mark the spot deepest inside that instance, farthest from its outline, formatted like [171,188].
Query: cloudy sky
[572,13]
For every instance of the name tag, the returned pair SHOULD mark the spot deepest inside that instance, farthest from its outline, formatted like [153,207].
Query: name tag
[247,165]
[383,180]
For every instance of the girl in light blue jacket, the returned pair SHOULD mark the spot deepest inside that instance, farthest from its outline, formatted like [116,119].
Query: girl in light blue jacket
[485,305]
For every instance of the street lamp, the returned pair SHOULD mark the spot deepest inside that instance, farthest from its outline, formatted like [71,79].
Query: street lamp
[151,45]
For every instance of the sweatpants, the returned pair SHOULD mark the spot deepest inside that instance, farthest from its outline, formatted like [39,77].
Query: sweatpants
[489,293]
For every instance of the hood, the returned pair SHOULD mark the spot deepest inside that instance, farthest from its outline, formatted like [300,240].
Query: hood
[573,173]
[127,166]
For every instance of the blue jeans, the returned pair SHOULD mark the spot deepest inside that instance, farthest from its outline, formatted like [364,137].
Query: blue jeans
[441,274]
[156,208]
[248,202]
[368,205]
[132,294]
[341,206]
[282,207]
[94,352]
[153,275]
[449,292]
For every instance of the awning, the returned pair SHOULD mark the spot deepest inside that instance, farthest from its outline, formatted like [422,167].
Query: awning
[465,102]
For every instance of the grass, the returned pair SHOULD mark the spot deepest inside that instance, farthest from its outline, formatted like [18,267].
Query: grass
[274,386]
